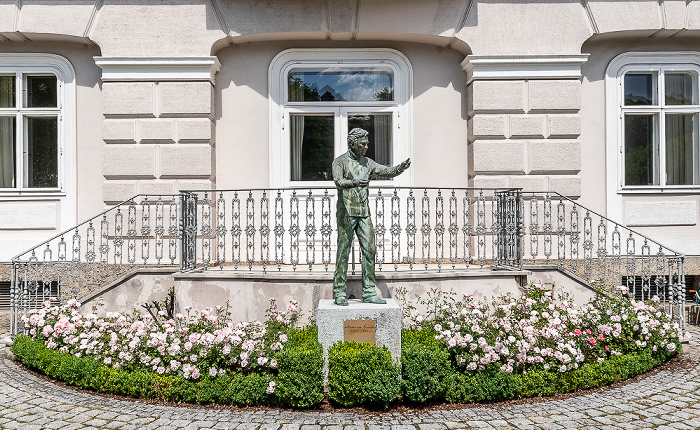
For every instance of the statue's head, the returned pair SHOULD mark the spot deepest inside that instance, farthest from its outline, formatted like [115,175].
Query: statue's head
[358,141]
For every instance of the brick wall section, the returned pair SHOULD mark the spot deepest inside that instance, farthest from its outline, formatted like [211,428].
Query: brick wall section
[524,133]
[158,136]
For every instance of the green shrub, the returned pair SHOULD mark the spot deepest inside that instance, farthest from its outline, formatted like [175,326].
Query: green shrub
[490,385]
[425,364]
[85,372]
[300,370]
[362,373]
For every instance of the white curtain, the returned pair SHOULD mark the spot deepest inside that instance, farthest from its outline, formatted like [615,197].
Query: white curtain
[7,135]
[679,87]
[679,149]
[382,139]
[297,142]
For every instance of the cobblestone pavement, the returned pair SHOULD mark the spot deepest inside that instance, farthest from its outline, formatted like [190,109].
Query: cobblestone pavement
[669,399]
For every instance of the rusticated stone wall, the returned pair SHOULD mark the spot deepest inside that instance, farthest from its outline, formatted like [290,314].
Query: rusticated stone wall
[524,133]
[158,137]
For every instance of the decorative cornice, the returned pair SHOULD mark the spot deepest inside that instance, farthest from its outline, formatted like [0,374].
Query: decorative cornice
[523,67]
[129,69]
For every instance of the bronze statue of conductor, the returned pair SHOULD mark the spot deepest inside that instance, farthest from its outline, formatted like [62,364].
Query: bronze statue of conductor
[352,172]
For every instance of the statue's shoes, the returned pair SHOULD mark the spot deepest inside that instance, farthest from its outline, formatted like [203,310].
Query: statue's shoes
[374,299]
[340,301]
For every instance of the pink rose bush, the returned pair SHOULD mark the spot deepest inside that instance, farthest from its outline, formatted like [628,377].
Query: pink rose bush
[540,330]
[190,345]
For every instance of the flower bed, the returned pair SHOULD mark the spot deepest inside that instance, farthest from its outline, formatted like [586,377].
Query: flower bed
[457,351]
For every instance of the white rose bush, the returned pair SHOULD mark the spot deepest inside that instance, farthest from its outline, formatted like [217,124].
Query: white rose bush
[538,331]
[454,350]
[189,345]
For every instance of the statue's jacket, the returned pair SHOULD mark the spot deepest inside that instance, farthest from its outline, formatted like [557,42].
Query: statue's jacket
[354,201]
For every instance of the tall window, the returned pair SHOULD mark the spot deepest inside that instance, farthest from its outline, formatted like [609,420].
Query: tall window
[320,95]
[30,128]
[659,116]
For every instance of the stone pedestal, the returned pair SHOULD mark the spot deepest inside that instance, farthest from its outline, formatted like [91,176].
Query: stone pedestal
[331,320]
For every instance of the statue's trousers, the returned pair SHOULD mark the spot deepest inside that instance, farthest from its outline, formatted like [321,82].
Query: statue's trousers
[363,228]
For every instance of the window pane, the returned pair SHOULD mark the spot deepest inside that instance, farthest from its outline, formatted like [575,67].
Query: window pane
[42,152]
[41,91]
[680,144]
[679,88]
[379,126]
[8,168]
[639,150]
[341,84]
[7,91]
[312,142]
[639,89]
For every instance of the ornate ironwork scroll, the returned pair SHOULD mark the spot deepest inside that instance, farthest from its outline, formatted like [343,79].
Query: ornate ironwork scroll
[145,230]
[467,227]
[396,229]
[221,230]
[206,230]
[159,230]
[453,229]
[411,228]
[264,231]
[250,230]
[425,228]
[173,230]
[294,229]
[379,229]
[439,229]
[236,230]
[310,230]
[481,228]
[326,230]
[279,230]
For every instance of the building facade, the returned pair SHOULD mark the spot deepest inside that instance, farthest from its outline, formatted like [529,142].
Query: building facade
[596,100]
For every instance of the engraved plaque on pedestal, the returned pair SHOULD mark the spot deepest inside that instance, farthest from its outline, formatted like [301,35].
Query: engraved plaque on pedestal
[360,331]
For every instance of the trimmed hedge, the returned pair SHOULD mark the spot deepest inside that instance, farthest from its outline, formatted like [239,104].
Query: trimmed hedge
[299,380]
[300,367]
[360,373]
[424,379]
[425,366]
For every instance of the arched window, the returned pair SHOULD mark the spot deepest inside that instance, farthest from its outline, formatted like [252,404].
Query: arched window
[318,95]
[653,108]
[37,117]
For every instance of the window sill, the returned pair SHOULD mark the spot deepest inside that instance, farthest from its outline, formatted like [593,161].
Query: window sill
[694,189]
[31,194]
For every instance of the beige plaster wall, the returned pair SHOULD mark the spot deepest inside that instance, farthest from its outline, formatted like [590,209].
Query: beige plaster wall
[199,27]
[88,141]
[242,113]
[684,238]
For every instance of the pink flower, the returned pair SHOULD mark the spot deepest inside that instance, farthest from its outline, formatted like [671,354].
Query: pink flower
[577,332]
[600,336]
[592,341]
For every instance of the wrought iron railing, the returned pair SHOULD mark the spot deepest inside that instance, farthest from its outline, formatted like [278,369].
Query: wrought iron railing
[140,232]
[583,242]
[292,230]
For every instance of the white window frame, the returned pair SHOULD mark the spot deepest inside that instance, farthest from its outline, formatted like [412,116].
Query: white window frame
[614,103]
[21,65]
[280,109]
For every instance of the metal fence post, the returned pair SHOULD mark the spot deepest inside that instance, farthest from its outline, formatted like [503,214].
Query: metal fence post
[188,231]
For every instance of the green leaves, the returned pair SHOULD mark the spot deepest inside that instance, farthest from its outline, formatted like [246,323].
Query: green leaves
[360,373]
